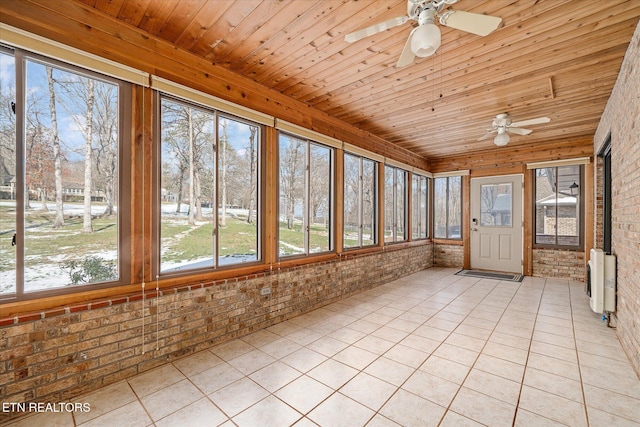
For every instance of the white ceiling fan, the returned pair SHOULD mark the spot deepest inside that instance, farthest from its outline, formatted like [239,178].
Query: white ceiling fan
[503,124]
[425,39]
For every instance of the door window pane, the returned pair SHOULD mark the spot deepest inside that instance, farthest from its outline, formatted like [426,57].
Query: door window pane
[496,206]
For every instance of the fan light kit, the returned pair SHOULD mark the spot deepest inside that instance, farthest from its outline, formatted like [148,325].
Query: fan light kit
[424,40]
[503,124]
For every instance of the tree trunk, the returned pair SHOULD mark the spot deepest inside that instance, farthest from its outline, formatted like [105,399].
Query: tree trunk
[223,174]
[192,220]
[252,189]
[87,227]
[57,157]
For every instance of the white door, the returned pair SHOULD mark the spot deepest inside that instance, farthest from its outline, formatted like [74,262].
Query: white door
[496,223]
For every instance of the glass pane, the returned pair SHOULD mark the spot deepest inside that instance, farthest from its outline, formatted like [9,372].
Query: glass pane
[495,205]
[424,206]
[292,189]
[389,206]
[319,198]
[440,207]
[71,179]
[415,207]
[368,202]
[351,236]
[546,206]
[568,204]
[7,175]
[454,207]
[237,191]
[401,193]
[188,187]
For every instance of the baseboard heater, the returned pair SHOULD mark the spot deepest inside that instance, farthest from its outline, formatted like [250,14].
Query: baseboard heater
[601,281]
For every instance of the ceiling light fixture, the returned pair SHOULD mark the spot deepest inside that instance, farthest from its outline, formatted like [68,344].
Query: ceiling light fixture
[426,40]
[502,138]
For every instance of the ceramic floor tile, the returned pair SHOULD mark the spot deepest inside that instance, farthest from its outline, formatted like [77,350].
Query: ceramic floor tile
[447,369]
[410,410]
[304,336]
[420,343]
[529,419]
[340,411]
[390,371]
[619,404]
[155,379]
[601,418]
[304,359]
[238,396]
[554,366]
[260,338]
[269,412]
[624,383]
[374,344]
[170,399]
[105,400]
[251,362]
[559,340]
[355,357]
[275,376]
[554,351]
[194,364]
[215,378]
[132,414]
[56,419]
[510,340]
[556,384]
[199,413]
[483,408]
[456,354]
[431,387]
[552,406]
[469,343]
[232,349]
[406,355]
[506,352]
[452,419]
[280,348]
[368,390]
[501,388]
[390,334]
[333,373]
[304,393]
[327,346]
[380,421]
[347,335]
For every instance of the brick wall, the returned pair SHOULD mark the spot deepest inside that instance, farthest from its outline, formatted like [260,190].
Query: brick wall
[565,264]
[621,119]
[450,256]
[56,358]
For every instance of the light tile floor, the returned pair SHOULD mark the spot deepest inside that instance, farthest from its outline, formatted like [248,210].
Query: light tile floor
[432,348]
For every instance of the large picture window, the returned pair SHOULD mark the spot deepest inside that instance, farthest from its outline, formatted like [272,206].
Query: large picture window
[419,207]
[360,191]
[209,188]
[60,173]
[558,206]
[447,207]
[395,205]
[305,195]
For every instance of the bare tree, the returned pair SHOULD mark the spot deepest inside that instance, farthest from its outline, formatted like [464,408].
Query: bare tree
[223,172]
[57,155]
[87,227]
[253,181]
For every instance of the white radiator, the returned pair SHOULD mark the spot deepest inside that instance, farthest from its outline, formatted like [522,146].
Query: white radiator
[601,281]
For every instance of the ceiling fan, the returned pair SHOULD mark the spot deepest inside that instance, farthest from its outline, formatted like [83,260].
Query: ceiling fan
[503,124]
[425,39]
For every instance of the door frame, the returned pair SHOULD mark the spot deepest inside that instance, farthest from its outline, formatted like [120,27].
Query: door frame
[523,206]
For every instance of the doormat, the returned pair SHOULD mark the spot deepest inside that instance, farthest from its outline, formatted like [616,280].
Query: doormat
[507,277]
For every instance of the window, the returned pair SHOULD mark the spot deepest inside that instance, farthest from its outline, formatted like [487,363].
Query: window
[558,206]
[447,207]
[419,207]
[306,171]
[61,163]
[395,195]
[360,192]
[209,188]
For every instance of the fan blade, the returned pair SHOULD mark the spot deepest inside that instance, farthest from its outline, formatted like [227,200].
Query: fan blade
[374,29]
[519,131]
[530,122]
[474,23]
[407,55]
[486,135]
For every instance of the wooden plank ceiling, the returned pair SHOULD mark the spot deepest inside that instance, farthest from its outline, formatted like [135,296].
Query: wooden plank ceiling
[554,58]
